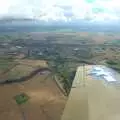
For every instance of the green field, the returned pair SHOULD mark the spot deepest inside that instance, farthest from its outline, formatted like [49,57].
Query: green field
[6,64]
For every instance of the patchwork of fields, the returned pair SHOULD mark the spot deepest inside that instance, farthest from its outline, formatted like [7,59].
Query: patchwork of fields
[41,96]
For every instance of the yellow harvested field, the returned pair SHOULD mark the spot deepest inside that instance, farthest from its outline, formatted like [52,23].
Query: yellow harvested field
[17,72]
[92,99]
[23,68]
[33,63]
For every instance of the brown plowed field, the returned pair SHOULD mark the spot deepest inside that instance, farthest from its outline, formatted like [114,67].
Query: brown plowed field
[46,101]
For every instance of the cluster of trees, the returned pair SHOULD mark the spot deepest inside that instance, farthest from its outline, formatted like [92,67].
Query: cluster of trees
[61,68]
[111,62]
[114,64]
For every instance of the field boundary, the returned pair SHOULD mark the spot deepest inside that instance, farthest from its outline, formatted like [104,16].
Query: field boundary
[24,78]
[59,85]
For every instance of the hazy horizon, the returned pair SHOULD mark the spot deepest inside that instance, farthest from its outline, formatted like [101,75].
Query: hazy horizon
[100,11]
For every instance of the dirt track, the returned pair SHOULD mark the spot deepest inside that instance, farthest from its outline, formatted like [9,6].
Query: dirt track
[46,101]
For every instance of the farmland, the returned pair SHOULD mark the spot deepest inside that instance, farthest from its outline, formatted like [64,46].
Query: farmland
[45,99]
[22,68]
[30,62]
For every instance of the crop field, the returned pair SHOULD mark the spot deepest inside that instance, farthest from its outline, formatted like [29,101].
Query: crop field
[45,101]
[66,37]
[6,64]
[32,63]
[19,68]
[98,37]
[17,72]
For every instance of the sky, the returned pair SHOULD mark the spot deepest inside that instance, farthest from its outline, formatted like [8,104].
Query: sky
[66,10]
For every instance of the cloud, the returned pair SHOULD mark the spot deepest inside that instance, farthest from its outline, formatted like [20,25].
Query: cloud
[95,10]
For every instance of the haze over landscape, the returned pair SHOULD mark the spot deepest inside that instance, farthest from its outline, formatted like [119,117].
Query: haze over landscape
[59,60]
[72,15]
[53,12]
[94,10]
